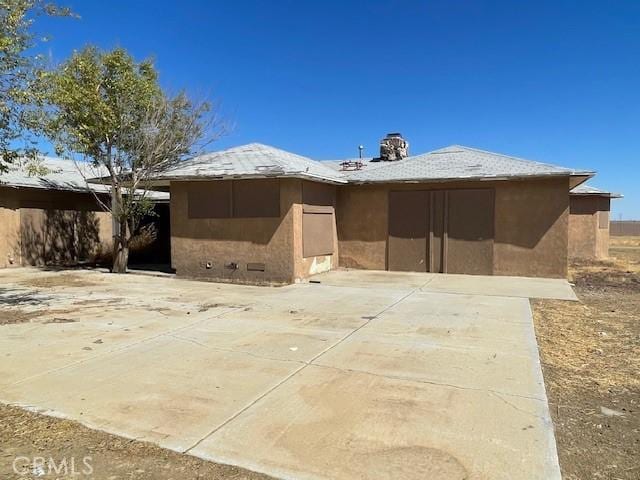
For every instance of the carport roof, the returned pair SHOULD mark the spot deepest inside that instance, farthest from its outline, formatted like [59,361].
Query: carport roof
[459,163]
[588,190]
[253,160]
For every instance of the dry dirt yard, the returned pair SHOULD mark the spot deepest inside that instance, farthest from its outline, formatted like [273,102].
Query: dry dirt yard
[30,435]
[590,353]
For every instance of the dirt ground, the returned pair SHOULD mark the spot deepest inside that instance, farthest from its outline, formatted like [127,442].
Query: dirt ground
[590,353]
[35,446]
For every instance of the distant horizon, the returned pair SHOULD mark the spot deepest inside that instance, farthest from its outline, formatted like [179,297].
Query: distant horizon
[548,81]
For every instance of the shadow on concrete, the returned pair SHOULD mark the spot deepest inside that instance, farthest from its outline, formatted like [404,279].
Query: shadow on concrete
[11,297]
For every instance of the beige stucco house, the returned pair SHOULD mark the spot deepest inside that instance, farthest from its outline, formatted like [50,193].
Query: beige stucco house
[258,214]
[589,215]
[50,219]
[53,218]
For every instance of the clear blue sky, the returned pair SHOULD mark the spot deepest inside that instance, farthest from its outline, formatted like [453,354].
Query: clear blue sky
[554,81]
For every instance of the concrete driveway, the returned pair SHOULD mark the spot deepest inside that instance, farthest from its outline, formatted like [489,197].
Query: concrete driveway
[363,375]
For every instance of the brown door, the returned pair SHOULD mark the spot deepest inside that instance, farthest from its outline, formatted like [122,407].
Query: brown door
[437,230]
[408,231]
[446,231]
[469,245]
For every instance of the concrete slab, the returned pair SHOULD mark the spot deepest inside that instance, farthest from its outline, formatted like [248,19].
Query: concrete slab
[522,287]
[325,423]
[341,380]
[165,390]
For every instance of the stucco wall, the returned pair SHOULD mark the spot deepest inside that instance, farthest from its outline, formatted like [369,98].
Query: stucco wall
[9,228]
[275,242]
[531,224]
[363,226]
[44,227]
[532,228]
[588,237]
[219,241]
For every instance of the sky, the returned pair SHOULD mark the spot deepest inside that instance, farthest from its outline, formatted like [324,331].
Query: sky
[553,81]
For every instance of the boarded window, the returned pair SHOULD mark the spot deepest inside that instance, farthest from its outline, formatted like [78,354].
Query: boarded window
[317,234]
[209,200]
[320,194]
[256,198]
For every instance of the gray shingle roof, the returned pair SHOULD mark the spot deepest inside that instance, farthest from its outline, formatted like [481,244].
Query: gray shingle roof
[585,189]
[62,175]
[254,160]
[456,162]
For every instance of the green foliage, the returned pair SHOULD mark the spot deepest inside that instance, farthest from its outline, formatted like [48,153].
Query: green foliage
[21,92]
[111,110]
[101,98]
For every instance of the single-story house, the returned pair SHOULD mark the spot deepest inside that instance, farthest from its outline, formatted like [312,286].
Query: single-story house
[589,213]
[53,219]
[259,214]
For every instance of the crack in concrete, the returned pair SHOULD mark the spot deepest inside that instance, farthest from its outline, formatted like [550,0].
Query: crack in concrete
[295,372]
[540,417]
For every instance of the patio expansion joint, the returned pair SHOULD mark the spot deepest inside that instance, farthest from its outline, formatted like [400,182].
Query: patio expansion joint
[305,363]
[298,370]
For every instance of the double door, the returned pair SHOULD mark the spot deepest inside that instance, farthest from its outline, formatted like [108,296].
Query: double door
[446,231]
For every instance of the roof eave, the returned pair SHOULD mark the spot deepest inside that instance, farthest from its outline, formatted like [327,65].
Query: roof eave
[596,194]
[580,177]
[165,180]
[56,188]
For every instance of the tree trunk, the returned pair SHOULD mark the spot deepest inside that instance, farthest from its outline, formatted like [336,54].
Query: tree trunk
[120,234]
[120,256]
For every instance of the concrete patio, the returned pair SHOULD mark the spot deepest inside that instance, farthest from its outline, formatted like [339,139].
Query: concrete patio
[363,375]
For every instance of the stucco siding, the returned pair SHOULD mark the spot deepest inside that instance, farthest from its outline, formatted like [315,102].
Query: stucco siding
[205,247]
[589,227]
[362,226]
[44,227]
[9,228]
[531,232]
[531,223]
